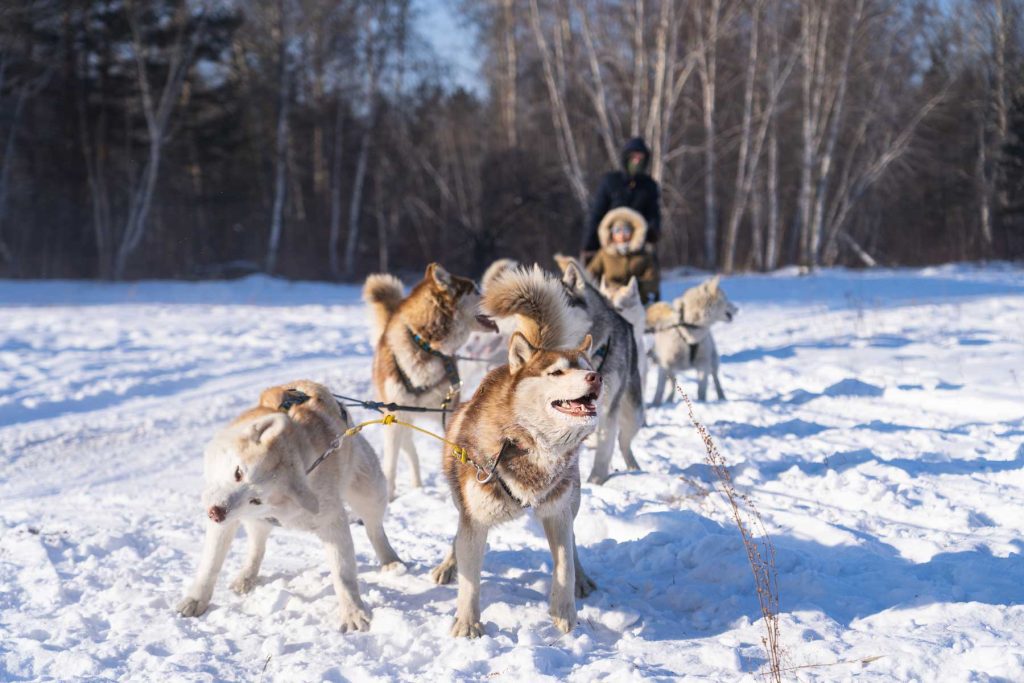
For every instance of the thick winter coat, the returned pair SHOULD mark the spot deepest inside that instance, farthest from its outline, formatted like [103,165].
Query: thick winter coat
[618,188]
[639,261]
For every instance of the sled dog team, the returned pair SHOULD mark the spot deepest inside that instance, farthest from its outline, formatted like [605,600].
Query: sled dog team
[573,361]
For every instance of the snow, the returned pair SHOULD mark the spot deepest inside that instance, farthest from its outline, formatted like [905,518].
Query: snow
[876,419]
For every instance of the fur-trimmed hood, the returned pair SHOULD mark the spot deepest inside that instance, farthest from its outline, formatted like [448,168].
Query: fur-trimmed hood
[623,214]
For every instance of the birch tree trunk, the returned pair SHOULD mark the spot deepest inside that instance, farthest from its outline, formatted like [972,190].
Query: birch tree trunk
[157,113]
[334,239]
[707,71]
[281,141]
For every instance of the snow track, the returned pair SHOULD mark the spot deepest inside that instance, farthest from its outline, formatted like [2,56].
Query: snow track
[877,420]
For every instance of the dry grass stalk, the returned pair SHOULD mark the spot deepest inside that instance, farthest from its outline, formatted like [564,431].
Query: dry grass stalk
[760,550]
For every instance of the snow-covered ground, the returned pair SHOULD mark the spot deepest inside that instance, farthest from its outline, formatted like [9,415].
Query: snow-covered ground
[876,419]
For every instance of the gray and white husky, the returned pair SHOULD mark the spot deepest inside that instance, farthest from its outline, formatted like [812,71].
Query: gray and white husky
[616,358]
[682,337]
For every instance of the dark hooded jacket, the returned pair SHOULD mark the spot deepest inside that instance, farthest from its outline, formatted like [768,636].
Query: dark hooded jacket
[618,188]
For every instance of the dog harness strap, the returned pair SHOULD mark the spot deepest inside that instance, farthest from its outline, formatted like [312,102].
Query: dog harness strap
[602,354]
[292,397]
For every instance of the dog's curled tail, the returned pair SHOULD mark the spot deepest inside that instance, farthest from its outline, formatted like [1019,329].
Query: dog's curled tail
[382,293]
[502,265]
[537,300]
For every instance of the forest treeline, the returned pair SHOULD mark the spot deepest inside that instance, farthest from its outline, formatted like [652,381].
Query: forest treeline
[322,139]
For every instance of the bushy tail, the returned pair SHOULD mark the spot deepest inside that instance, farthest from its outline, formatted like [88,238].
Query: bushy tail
[495,269]
[382,293]
[539,303]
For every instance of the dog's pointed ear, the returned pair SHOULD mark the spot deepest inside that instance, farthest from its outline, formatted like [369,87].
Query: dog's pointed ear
[562,261]
[267,428]
[437,276]
[520,351]
[573,277]
[713,283]
[299,491]
[632,294]
[585,345]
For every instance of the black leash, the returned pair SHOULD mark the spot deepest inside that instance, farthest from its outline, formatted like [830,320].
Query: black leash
[382,407]
[689,326]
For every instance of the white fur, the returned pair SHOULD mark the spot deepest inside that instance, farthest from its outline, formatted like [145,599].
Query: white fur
[284,493]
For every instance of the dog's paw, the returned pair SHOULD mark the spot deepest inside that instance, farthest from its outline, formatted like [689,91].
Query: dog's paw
[355,619]
[597,479]
[397,567]
[192,607]
[444,573]
[467,628]
[584,585]
[564,617]
[243,584]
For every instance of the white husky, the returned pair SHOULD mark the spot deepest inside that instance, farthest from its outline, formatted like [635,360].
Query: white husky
[682,337]
[255,473]
[626,301]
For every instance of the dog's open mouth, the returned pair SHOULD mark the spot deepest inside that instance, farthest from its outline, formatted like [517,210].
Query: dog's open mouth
[584,406]
[487,323]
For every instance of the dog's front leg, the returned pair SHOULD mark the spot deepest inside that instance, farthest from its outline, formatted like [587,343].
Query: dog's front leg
[341,558]
[558,529]
[256,531]
[607,427]
[702,385]
[470,544]
[392,441]
[215,549]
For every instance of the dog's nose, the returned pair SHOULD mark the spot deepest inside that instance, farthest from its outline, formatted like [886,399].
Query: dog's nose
[593,378]
[217,513]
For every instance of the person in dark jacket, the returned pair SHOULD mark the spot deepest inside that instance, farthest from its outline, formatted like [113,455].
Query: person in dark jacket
[631,187]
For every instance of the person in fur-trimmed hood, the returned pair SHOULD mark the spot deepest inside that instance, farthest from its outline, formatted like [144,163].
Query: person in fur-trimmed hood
[625,253]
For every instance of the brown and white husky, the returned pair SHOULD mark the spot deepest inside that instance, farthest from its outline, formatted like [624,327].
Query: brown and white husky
[522,431]
[416,338]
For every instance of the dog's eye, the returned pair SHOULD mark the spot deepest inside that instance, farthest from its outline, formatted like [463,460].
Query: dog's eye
[255,501]
[238,474]
[556,373]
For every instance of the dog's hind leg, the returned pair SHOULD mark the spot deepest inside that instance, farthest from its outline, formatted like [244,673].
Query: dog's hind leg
[215,549]
[631,418]
[470,545]
[659,389]
[367,496]
[445,572]
[256,532]
[562,605]
[341,558]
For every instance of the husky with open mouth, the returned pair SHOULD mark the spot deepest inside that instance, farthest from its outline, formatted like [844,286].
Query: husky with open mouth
[522,431]
[256,477]
[416,339]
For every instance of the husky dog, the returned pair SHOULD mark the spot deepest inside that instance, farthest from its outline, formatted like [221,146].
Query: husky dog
[488,349]
[627,303]
[522,431]
[416,338]
[682,337]
[255,473]
[615,355]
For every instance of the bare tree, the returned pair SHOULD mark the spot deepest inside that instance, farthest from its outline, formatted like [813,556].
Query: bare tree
[157,108]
